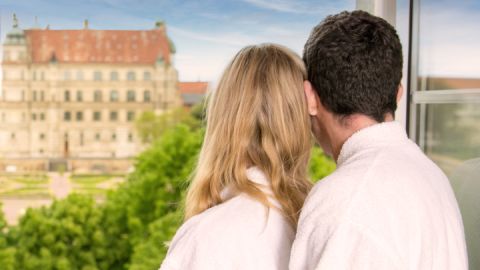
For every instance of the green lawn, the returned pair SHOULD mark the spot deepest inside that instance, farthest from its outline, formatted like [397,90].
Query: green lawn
[92,190]
[27,192]
[89,179]
[31,179]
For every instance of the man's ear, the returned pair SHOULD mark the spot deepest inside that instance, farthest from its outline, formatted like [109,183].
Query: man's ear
[399,93]
[311,97]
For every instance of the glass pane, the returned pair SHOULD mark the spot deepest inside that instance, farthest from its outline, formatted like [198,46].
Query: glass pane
[449,38]
[450,135]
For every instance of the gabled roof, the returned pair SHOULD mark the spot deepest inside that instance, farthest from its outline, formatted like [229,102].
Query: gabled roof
[98,46]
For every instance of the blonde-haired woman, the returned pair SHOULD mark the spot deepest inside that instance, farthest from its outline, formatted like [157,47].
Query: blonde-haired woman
[251,179]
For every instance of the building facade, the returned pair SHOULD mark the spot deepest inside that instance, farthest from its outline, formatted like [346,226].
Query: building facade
[70,97]
[193,93]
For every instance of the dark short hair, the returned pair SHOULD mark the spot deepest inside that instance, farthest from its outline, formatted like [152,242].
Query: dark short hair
[354,62]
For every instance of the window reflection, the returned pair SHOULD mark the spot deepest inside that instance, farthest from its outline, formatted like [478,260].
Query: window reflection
[448,45]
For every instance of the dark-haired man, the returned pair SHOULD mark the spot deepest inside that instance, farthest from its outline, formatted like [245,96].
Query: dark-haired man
[387,206]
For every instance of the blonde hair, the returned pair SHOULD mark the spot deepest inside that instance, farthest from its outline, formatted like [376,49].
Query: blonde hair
[257,116]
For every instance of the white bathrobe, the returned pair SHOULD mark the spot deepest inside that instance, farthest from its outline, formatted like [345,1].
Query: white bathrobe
[387,206]
[237,234]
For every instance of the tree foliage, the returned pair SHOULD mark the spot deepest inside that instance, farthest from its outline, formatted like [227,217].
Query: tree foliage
[132,227]
[320,164]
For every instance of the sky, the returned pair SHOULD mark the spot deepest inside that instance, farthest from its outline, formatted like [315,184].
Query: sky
[207,33]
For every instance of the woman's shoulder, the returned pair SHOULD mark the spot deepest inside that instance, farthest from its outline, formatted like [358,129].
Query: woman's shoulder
[239,217]
[238,225]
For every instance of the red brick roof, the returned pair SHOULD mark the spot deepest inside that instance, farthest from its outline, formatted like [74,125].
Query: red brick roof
[98,46]
[193,87]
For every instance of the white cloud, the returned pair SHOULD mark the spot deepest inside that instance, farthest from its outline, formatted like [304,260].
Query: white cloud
[300,7]
[229,38]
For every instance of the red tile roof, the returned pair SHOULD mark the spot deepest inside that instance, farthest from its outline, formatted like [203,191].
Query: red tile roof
[193,87]
[98,46]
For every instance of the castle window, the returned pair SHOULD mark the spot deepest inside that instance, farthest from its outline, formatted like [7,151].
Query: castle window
[113,116]
[147,76]
[97,136]
[146,96]
[67,116]
[114,76]
[42,116]
[114,95]
[130,95]
[97,96]
[97,76]
[42,136]
[34,116]
[79,116]
[12,136]
[131,76]
[81,138]
[79,96]
[97,116]
[114,136]
[42,95]
[130,137]
[66,75]
[34,95]
[80,75]
[66,95]
[130,116]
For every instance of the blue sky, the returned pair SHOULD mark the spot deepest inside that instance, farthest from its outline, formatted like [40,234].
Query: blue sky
[206,33]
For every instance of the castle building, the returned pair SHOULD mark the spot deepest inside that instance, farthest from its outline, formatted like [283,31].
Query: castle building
[70,97]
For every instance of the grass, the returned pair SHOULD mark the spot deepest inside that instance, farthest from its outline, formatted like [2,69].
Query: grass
[36,186]
[93,191]
[88,179]
[27,179]
[27,192]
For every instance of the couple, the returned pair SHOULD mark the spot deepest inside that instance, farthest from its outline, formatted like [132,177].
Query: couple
[387,206]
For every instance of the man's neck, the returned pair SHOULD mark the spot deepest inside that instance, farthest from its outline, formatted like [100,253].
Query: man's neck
[341,132]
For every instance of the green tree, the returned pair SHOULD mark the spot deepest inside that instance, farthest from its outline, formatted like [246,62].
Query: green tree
[132,228]
[149,254]
[7,252]
[66,235]
[151,126]
[152,192]
[320,165]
